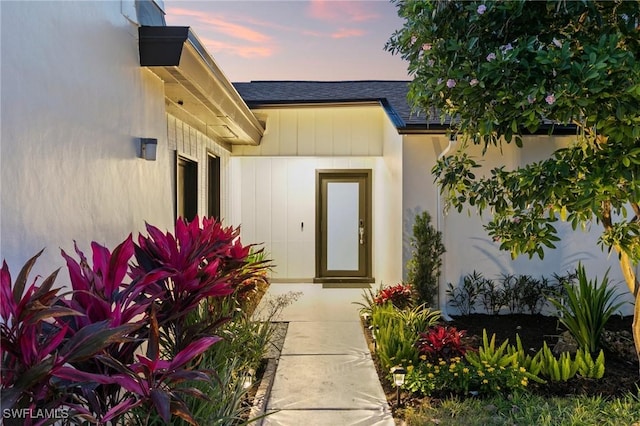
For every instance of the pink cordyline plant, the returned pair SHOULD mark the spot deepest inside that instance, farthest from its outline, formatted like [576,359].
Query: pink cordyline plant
[34,349]
[199,262]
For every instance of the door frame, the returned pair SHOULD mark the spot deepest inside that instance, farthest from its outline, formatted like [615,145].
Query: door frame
[366,276]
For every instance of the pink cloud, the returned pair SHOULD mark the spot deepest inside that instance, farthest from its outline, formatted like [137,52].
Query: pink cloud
[222,25]
[347,32]
[242,50]
[350,11]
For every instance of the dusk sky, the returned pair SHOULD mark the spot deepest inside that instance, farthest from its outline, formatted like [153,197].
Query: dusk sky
[296,39]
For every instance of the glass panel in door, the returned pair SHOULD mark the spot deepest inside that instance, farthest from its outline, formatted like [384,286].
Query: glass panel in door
[343,217]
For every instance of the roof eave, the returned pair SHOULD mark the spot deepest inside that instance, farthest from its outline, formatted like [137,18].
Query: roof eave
[196,89]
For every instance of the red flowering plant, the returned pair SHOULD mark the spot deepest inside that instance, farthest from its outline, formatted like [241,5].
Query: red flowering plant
[400,295]
[441,343]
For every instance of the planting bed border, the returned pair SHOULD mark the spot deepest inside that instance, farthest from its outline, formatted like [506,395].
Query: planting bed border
[265,383]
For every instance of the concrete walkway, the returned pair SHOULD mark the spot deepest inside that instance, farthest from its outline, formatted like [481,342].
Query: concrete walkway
[325,375]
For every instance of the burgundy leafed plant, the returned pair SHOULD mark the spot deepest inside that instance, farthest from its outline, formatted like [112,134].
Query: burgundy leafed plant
[199,262]
[441,342]
[151,382]
[400,295]
[34,349]
[103,293]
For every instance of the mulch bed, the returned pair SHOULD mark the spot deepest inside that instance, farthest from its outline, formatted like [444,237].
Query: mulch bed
[621,371]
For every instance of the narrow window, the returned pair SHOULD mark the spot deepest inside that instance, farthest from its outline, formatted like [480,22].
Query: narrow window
[187,188]
[214,186]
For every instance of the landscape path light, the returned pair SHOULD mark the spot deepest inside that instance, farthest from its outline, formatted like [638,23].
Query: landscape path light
[374,330]
[399,374]
[247,378]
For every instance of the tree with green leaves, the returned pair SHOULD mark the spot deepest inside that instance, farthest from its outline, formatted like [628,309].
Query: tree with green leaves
[498,70]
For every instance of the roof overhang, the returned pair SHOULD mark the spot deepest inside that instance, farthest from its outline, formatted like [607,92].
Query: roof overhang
[395,118]
[196,90]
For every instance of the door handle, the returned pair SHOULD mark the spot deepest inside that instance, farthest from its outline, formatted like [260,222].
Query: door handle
[361,231]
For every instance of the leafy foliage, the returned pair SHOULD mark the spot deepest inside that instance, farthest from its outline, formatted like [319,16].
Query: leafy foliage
[423,269]
[588,367]
[530,363]
[496,70]
[35,350]
[199,262]
[395,339]
[556,369]
[464,297]
[441,342]
[586,309]
[490,354]
[83,350]
[400,295]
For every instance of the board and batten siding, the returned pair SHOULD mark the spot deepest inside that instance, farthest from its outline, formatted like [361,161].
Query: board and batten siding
[196,146]
[276,183]
[352,131]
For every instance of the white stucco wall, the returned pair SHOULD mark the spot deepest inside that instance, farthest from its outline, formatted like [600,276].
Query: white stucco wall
[274,185]
[469,247]
[74,99]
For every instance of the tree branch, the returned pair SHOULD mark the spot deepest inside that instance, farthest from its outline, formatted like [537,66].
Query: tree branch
[636,210]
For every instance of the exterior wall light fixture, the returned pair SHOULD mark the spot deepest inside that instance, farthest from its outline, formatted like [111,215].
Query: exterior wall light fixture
[148,148]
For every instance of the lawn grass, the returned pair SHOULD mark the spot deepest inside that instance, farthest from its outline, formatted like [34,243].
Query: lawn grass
[527,409]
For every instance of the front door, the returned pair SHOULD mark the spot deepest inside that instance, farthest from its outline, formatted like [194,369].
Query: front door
[343,234]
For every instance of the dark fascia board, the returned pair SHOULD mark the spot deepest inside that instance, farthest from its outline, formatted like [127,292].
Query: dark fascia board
[395,118]
[161,45]
[438,128]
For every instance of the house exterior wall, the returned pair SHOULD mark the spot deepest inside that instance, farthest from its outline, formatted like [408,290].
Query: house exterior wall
[71,113]
[74,103]
[277,182]
[468,246]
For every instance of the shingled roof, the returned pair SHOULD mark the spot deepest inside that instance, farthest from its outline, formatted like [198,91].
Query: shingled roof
[392,95]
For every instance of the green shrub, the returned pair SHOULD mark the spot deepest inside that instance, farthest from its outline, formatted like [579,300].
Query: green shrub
[489,354]
[458,376]
[244,343]
[530,363]
[586,309]
[491,295]
[556,369]
[587,367]
[395,339]
[423,269]
[418,318]
[464,297]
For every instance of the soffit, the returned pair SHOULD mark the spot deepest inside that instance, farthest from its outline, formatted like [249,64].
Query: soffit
[197,92]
